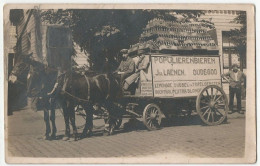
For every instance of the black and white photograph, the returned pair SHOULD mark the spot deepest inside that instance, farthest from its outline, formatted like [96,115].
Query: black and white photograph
[128,83]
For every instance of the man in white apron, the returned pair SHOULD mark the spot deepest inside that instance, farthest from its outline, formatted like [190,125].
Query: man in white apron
[236,81]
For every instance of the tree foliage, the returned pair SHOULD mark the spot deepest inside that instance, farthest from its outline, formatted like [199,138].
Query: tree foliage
[103,33]
[239,36]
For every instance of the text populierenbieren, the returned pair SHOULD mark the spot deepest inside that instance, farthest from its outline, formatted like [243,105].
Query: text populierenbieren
[183,76]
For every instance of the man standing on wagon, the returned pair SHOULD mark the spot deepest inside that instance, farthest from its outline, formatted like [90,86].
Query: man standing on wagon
[142,64]
[126,67]
[236,81]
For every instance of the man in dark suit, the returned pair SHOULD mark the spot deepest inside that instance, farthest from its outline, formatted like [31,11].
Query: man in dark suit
[126,67]
[236,81]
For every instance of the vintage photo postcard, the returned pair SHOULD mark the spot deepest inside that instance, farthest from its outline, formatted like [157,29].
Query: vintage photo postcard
[130,83]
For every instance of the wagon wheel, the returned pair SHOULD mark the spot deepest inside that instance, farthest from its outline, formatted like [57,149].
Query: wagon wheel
[117,122]
[152,117]
[212,105]
[114,124]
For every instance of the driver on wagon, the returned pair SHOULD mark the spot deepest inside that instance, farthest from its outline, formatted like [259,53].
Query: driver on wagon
[141,65]
[126,67]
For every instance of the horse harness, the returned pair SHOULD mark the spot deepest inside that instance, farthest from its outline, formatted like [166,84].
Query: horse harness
[87,79]
[89,90]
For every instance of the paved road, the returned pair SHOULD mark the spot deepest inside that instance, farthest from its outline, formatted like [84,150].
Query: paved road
[180,136]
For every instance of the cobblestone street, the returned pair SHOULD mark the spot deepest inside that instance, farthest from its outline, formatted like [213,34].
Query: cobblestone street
[181,137]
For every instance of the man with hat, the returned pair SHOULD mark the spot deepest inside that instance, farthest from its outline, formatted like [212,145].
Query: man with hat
[126,67]
[236,80]
[142,64]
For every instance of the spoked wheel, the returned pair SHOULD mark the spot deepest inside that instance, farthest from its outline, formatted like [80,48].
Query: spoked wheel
[117,122]
[212,105]
[152,116]
[114,124]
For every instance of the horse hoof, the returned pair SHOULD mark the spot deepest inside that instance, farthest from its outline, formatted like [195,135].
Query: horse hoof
[83,135]
[89,134]
[111,133]
[76,138]
[53,137]
[65,138]
[105,133]
[112,130]
[46,137]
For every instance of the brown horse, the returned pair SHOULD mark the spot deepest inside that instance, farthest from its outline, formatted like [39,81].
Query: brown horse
[88,89]
[38,80]
[40,83]
[85,89]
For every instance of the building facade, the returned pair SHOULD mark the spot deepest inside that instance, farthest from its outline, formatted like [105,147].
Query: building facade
[224,22]
[49,44]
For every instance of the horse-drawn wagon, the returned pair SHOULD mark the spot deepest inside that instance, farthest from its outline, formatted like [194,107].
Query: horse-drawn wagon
[178,83]
[182,74]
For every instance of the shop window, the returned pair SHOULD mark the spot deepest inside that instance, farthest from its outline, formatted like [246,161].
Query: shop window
[59,46]
[58,37]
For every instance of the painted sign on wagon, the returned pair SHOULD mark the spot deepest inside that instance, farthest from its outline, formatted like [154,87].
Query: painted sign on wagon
[183,76]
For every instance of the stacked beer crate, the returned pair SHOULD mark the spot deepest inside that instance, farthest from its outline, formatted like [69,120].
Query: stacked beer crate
[162,35]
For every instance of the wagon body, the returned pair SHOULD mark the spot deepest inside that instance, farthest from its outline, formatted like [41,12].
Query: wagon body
[178,76]
[178,84]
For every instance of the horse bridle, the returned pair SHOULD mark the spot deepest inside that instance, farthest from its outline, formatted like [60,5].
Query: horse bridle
[18,81]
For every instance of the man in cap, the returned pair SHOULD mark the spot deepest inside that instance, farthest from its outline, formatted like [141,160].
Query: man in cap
[142,64]
[236,80]
[126,67]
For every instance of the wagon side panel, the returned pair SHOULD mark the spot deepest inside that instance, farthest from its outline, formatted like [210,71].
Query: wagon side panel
[183,76]
[146,81]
